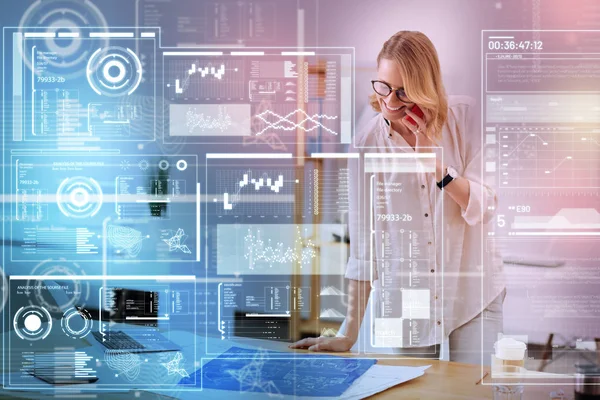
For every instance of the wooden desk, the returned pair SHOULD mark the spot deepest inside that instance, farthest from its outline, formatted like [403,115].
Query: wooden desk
[456,381]
[443,380]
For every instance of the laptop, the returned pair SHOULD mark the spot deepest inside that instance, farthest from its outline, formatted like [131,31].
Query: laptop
[132,338]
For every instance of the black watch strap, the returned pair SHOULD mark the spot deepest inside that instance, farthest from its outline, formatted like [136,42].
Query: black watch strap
[447,179]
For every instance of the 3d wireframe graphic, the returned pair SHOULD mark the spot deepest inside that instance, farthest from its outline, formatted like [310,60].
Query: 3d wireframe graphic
[177,242]
[174,366]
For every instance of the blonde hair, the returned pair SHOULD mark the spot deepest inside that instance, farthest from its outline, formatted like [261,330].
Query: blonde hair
[420,67]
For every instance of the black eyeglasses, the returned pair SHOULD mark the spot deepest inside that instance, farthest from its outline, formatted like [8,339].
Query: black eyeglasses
[383,89]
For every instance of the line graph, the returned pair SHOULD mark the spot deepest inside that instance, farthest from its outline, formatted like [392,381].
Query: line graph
[205,79]
[289,121]
[548,157]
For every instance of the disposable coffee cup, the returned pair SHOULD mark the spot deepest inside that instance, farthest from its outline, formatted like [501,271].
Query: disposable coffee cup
[510,352]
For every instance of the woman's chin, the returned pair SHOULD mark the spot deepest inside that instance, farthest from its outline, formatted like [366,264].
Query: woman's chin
[394,116]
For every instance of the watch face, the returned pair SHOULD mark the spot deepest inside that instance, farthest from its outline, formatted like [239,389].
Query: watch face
[452,172]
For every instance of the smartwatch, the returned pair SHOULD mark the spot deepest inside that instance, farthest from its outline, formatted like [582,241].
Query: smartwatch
[450,176]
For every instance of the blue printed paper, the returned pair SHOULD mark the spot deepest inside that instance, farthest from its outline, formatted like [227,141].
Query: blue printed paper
[264,371]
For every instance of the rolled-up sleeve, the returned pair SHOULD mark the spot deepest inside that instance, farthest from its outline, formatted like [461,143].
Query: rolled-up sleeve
[482,197]
[359,262]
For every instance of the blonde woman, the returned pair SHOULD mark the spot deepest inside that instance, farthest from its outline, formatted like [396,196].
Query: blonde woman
[454,222]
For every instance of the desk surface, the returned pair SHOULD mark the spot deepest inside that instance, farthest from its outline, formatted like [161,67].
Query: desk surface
[443,380]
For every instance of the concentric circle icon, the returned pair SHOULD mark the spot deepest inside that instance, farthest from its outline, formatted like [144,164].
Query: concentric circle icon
[181,165]
[76,323]
[114,71]
[163,165]
[69,52]
[79,197]
[32,323]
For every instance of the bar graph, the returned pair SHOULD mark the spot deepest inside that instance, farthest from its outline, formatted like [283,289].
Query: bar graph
[205,79]
[256,192]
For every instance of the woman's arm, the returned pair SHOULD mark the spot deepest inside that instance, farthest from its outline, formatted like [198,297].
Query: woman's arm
[458,190]
[358,296]
[475,205]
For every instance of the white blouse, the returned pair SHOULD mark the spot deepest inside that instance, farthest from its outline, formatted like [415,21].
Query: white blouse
[421,250]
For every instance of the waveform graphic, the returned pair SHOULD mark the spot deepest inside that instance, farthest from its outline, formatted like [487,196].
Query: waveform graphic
[177,242]
[195,120]
[257,250]
[331,313]
[331,291]
[287,123]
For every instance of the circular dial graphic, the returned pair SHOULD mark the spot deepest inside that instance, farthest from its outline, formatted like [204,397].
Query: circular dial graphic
[32,323]
[79,197]
[114,71]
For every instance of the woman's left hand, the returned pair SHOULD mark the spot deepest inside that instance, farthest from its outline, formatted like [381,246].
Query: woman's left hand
[424,143]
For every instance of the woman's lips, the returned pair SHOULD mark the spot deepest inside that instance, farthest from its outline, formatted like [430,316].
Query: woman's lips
[393,110]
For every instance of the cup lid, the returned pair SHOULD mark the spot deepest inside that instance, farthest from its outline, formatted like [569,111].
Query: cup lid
[510,343]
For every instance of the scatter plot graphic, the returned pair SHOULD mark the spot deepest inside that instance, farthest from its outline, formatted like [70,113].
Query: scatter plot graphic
[114,71]
[174,366]
[126,364]
[79,197]
[125,239]
[264,249]
[250,376]
[197,120]
[259,250]
[32,323]
[76,323]
[209,120]
[176,241]
[289,121]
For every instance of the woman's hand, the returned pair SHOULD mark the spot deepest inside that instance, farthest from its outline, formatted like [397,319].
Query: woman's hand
[424,143]
[338,344]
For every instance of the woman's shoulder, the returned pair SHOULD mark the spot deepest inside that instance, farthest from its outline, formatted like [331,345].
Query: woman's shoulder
[369,131]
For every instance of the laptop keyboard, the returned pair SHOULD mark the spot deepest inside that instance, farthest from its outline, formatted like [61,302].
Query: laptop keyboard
[118,340]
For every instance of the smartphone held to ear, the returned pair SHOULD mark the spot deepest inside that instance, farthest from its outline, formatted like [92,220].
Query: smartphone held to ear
[415,109]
